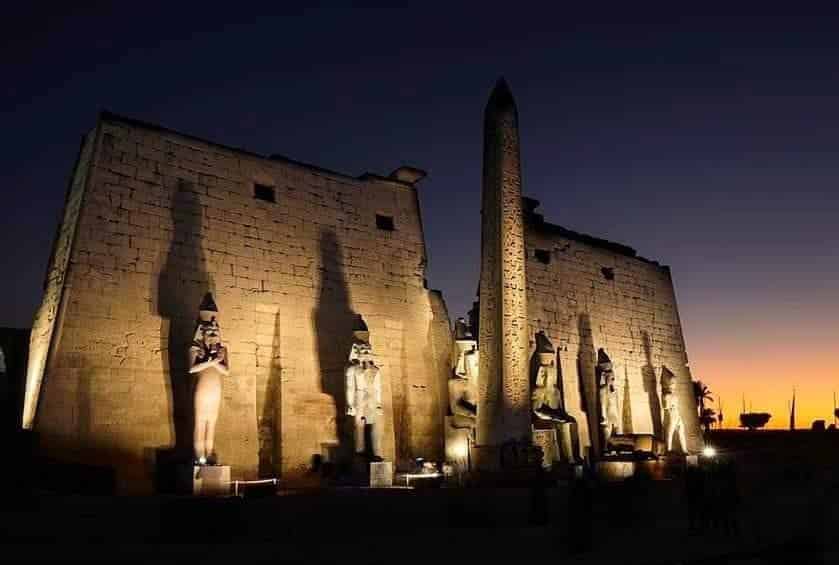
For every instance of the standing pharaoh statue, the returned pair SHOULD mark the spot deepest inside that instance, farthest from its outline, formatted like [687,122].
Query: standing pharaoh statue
[364,394]
[674,427]
[610,422]
[547,399]
[208,360]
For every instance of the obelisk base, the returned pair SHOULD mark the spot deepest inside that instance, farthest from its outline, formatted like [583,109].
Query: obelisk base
[204,480]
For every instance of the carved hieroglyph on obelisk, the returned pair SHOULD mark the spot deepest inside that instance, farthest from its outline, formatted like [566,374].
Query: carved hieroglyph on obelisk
[504,391]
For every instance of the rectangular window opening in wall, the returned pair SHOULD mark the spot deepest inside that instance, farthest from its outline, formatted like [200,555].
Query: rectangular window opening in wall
[264,192]
[542,255]
[384,222]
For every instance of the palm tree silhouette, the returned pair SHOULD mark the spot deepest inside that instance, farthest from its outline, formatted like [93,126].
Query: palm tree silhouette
[707,418]
[702,394]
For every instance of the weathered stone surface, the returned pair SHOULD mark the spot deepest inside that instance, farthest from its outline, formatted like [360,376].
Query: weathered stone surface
[165,218]
[504,390]
[546,439]
[381,474]
[155,219]
[46,318]
[587,294]
[211,480]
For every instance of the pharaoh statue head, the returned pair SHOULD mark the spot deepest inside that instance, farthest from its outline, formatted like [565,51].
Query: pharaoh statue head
[668,387]
[360,350]
[207,330]
[465,350]
[545,350]
[462,331]
[605,371]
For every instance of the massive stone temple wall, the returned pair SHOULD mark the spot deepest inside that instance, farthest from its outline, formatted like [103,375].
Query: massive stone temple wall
[587,293]
[166,218]
[47,317]
[293,254]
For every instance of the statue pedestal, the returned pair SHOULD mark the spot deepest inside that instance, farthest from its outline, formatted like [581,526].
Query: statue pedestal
[611,471]
[457,445]
[381,474]
[646,443]
[546,439]
[205,480]
[655,469]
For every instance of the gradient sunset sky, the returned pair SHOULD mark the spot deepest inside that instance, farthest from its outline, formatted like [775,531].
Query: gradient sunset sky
[706,142]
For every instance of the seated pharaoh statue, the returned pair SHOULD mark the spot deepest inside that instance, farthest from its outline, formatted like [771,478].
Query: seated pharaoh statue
[364,394]
[615,441]
[462,417]
[546,397]
[610,423]
[463,384]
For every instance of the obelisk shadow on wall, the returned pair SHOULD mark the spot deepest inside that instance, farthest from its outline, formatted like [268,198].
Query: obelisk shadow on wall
[651,386]
[334,321]
[181,286]
[270,418]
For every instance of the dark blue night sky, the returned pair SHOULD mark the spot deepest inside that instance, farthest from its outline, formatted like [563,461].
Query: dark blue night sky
[706,142]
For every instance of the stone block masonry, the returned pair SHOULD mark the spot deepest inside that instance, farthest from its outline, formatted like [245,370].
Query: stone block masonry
[587,293]
[154,219]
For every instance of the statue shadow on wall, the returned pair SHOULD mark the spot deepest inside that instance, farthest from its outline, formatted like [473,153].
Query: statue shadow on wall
[334,321]
[575,427]
[270,439]
[626,411]
[402,416]
[586,365]
[651,387]
[181,285]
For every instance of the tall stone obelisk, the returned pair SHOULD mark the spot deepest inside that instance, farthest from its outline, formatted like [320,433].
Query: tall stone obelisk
[504,390]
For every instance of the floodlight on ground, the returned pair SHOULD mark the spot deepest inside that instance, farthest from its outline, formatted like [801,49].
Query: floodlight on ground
[709,452]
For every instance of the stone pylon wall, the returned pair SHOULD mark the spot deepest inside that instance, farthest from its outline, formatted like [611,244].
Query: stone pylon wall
[166,218]
[590,296]
[47,317]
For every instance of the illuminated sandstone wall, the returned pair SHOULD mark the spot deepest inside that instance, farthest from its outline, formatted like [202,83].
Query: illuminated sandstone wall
[46,318]
[592,294]
[169,217]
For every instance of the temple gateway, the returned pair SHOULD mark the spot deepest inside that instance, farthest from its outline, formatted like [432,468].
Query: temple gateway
[212,307]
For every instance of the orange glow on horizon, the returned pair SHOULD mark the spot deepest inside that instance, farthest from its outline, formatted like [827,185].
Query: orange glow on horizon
[738,366]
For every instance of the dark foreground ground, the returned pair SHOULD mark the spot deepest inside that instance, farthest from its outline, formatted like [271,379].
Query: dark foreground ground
[788,485]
